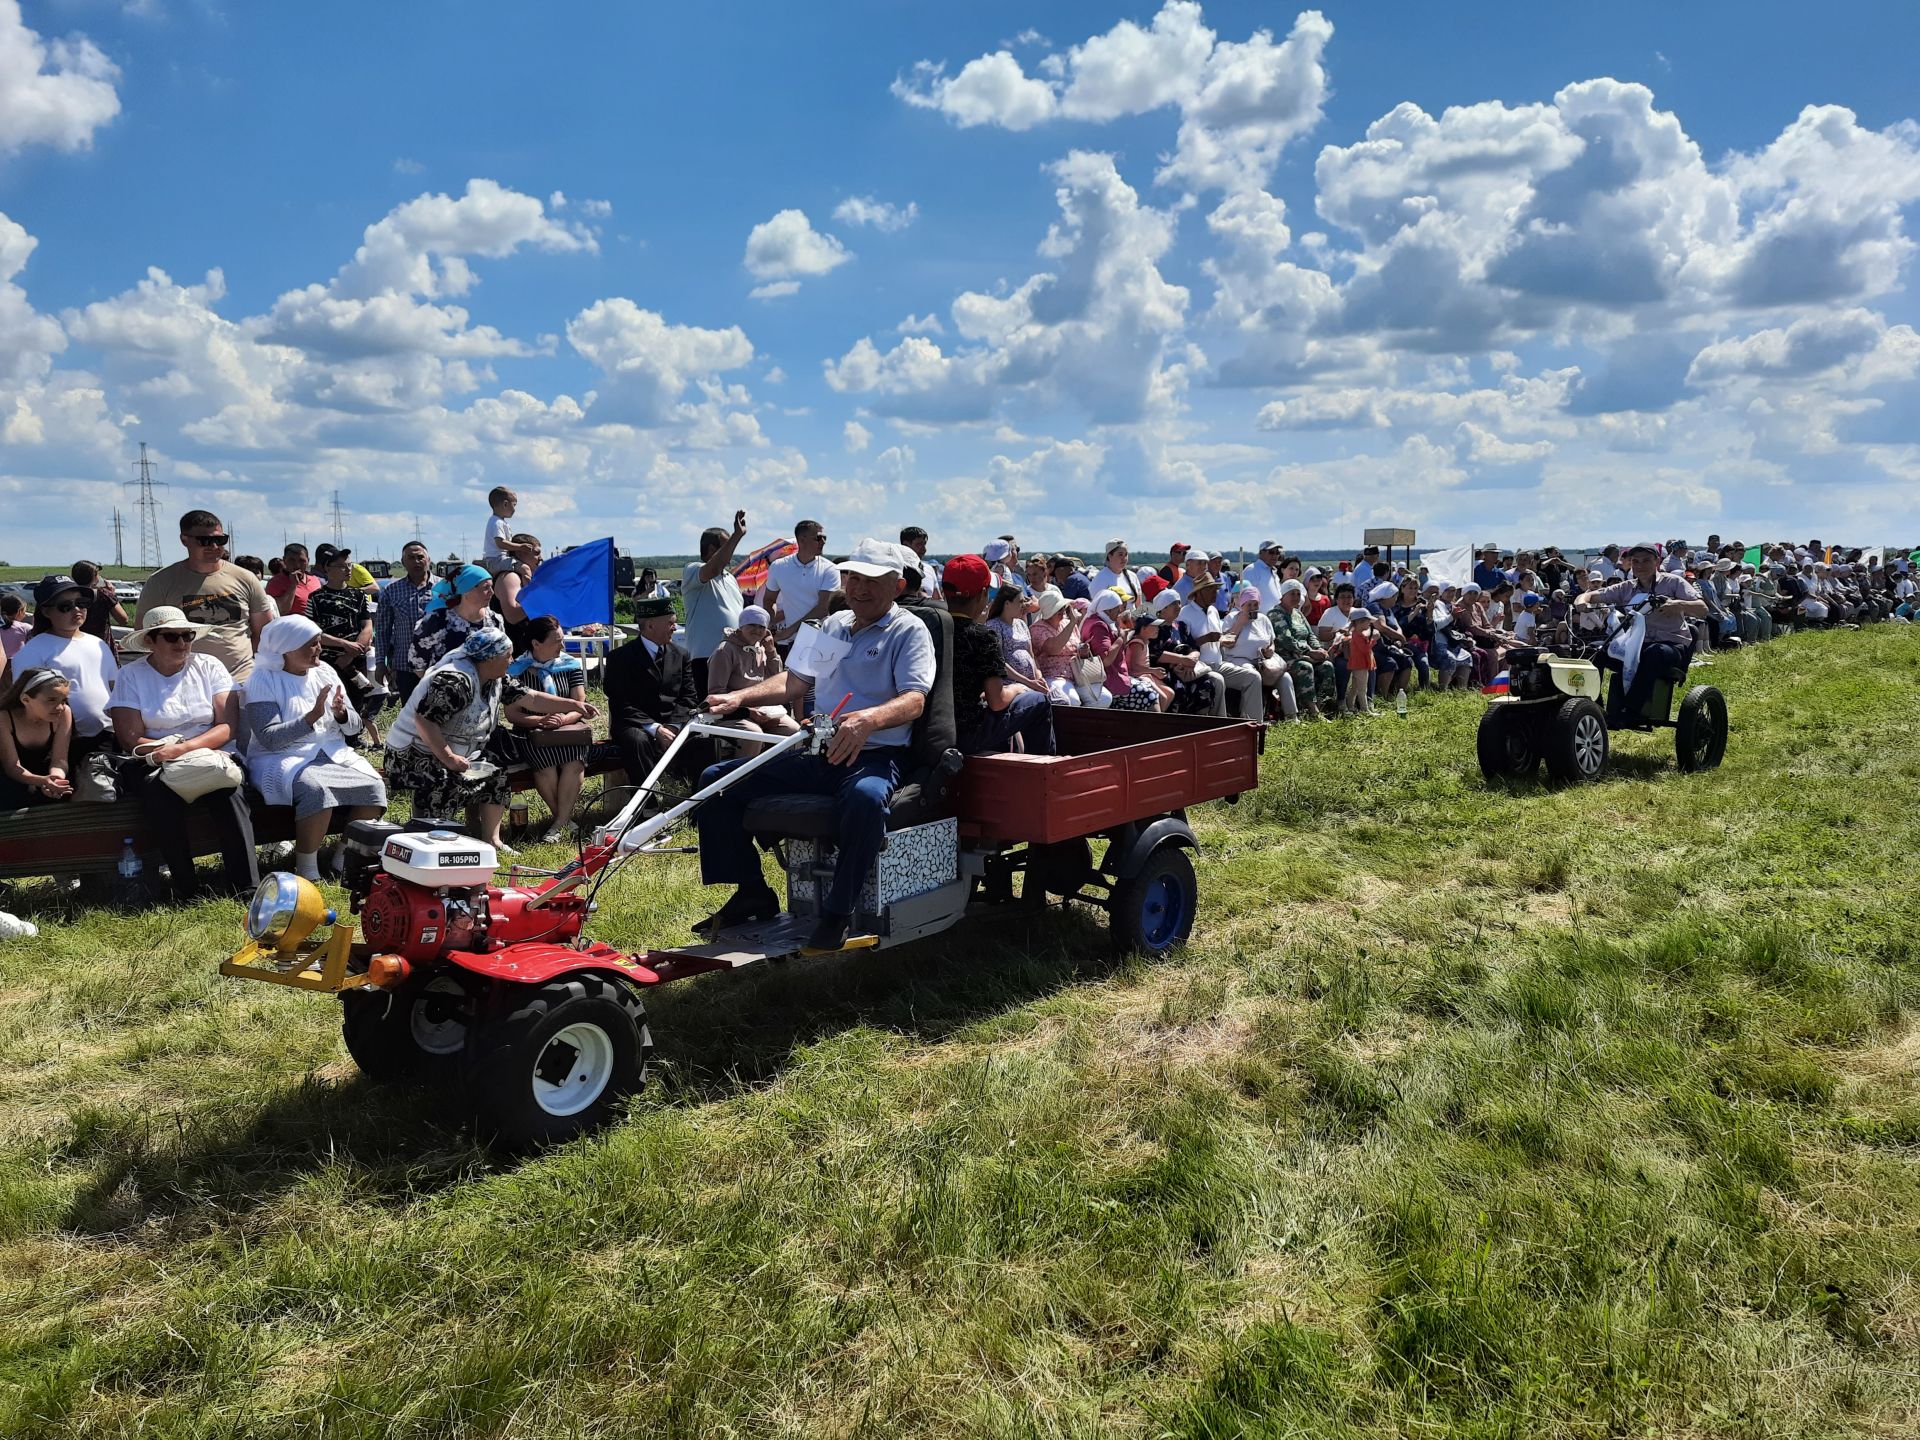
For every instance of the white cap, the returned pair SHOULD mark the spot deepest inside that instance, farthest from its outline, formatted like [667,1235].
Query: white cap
[874,559]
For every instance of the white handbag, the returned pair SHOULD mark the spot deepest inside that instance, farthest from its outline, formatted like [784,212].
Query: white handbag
[194,774]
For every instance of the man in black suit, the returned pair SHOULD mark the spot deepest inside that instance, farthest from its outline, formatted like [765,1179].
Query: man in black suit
[651,697]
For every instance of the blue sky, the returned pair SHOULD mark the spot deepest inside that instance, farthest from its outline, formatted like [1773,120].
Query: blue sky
[1542,272]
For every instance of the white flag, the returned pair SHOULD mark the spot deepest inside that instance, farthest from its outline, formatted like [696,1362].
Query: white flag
[1449,567]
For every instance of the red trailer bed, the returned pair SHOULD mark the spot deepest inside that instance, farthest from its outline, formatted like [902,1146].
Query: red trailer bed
[1114,767]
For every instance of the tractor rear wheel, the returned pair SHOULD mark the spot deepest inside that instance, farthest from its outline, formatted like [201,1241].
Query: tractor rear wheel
[1700,731]
[1576,741]
[1508,742]
[561,1063]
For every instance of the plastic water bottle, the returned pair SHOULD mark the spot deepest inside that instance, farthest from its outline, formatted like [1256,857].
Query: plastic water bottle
[128,886]
[1400,704]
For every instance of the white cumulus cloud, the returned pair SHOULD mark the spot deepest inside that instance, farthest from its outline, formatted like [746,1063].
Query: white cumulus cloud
[1240,101]
[882,215]
[785,250]
[55,93]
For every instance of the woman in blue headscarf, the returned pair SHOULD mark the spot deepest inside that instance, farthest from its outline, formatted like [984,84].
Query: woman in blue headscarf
[460,606]
[435,744]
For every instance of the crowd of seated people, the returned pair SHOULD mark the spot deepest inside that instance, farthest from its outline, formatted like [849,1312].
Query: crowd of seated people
[290,674]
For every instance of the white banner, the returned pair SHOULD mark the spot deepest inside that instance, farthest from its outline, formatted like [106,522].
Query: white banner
[1449,567]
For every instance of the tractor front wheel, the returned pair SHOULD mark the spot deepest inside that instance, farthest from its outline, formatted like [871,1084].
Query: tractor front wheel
[561,1063]
[1577,742]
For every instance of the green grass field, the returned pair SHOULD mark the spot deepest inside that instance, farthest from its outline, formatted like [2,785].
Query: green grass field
[1468,1113]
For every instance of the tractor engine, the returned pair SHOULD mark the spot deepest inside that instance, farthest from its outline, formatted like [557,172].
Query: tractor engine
[429,895]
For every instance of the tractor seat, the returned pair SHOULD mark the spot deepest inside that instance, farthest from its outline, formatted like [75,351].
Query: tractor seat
[812,817]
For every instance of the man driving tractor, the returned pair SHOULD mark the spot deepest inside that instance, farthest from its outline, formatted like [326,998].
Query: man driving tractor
[882,659]
[1669,601]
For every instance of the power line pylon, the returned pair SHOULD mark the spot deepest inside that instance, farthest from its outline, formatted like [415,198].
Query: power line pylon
[148,504]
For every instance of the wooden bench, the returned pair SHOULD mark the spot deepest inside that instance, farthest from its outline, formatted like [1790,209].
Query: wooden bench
[75,839]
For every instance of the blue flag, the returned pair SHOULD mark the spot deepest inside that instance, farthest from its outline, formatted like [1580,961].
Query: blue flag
[575,588]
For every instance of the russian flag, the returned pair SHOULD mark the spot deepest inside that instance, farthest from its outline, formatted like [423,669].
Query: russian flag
[1499,686]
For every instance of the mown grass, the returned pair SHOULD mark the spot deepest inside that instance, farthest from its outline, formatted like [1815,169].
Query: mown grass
[1469,1113]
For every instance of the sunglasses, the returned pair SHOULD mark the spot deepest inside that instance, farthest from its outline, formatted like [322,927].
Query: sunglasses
[178,637]
[67,607]
[209,540]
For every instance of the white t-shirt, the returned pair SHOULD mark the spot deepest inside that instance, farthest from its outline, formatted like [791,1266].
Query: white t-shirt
[177,704]
[1203,620]
[1332,619]
[1122,580]
[89,666]
[1902,588]
[800,584]
[1523,624]
[1254,637]
[498,535]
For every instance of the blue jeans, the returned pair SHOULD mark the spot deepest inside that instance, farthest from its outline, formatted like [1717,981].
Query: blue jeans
[860,792]
[1030,714]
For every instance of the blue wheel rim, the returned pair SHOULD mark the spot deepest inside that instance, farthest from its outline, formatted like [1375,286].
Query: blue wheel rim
[1164,910]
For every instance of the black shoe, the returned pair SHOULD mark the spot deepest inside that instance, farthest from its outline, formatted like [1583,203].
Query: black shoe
[829,934]
[747,905]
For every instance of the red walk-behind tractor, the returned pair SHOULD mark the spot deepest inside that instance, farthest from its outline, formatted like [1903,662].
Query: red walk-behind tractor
[494,981]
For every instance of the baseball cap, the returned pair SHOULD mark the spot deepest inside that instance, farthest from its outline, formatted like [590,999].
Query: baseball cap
[1641,545]
[1113,545]
[50,586]
[1532,597]
[1266,545]
[1178,545]
[1152,586]
[994,551]
[966,575]
[874,559]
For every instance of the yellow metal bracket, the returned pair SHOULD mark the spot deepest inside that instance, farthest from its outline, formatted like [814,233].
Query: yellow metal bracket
[323,966]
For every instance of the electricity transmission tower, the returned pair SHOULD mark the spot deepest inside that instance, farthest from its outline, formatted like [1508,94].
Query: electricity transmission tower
[119,539]
[339,518]
[148,504]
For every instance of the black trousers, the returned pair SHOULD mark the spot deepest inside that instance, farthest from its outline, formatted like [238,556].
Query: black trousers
[171,819]
[640,752]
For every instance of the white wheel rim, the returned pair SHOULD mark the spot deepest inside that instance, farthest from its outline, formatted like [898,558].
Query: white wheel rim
[1589,743]
[435,1021]
[572,1069]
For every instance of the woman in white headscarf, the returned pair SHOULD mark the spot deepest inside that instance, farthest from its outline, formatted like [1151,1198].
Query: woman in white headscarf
[298,754]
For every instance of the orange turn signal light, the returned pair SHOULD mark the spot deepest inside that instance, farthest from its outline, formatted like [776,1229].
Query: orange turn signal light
[387,971]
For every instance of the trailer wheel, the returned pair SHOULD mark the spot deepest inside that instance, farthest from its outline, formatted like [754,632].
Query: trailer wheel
[560,1064]
[1508,742]
[395,1033]
[1153,912]
[1700,732]
[1577,741]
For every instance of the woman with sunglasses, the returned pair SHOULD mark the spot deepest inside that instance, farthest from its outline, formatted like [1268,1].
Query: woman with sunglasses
[36,733]
[60,642]
[165,705]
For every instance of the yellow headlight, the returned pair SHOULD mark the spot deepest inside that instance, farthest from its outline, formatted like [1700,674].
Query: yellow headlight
[286,910]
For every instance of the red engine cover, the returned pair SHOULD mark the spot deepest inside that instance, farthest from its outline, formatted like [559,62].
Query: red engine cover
[403,919]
